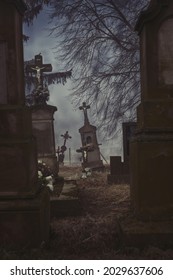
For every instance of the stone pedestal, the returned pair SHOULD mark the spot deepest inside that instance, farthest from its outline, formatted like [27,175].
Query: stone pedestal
[152,146]
[24,221]
[24,208]
[43,130]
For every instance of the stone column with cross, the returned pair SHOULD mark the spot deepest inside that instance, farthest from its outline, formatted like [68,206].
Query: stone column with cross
[85,107]
[24,206]
[90,147]
[38,68]
[43,115]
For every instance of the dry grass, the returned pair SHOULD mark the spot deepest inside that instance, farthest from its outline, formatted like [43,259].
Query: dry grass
[96,232]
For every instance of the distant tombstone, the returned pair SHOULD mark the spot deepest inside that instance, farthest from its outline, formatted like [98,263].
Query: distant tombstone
[90,148]
[24,206]
[119,170]
[152,146]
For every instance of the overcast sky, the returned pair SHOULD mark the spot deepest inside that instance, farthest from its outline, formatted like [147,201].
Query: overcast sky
[66,117]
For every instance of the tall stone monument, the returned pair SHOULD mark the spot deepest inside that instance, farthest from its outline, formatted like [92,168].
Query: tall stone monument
[24,207]
[152,146]
[90,148]
[43,115]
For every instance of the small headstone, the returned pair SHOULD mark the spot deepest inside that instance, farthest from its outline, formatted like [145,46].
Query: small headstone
[119,170]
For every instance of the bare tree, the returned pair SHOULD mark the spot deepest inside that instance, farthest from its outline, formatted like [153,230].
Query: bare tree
[96,39]
[33,9]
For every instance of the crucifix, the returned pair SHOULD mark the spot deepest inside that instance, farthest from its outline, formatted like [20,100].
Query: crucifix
[38,68]
[85,107]
[61,151]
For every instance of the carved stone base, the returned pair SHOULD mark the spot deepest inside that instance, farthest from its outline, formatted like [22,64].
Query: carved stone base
[152,175]
[25,222]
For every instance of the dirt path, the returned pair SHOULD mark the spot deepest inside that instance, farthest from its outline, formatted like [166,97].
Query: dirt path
[96,232]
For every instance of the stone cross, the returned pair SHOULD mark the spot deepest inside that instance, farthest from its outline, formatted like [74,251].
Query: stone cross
[66,136]
[61,151]
[85,107]
[38,68]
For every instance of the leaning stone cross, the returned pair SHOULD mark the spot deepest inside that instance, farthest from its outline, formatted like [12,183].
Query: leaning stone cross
[85,107]
[38,68]
[61,151]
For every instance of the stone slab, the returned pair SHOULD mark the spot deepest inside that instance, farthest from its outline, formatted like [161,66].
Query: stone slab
[68,203]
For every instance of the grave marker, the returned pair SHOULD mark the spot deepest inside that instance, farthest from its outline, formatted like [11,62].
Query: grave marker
[119,170]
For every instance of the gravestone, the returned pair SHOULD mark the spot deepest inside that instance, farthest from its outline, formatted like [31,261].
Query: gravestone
[152,146]
[119,170]
[24,207]
[90,147]
[43,116]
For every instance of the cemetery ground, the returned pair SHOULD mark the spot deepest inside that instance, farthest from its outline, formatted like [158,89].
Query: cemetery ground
[95,231]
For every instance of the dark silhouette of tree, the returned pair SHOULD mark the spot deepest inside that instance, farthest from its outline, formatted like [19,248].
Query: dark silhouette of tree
[96,39]
[34,7]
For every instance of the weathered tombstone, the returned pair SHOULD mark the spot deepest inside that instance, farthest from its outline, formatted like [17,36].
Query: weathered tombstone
[90,148]
[152,146]
[119,170]
[43,116]
[24,207]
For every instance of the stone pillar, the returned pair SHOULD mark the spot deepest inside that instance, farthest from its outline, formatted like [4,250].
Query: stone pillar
[24,208]
[43,130]
[152,145]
